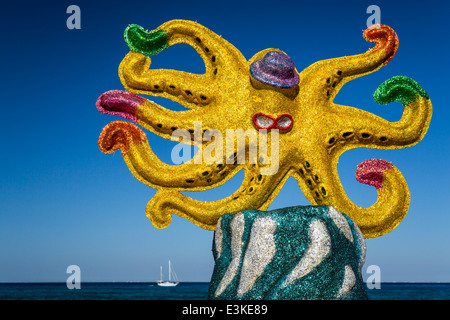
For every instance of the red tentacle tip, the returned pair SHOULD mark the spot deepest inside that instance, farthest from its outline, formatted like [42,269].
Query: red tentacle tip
[119,135]
[120,103]
[371,172]
[385,37]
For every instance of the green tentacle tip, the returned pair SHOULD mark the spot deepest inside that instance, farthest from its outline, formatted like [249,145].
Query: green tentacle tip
[401,89]
[146,42]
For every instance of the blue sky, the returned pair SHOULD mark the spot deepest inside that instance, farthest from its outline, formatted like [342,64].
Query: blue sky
[63,202]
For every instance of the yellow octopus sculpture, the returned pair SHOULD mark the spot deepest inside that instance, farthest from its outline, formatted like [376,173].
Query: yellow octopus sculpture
[263,94]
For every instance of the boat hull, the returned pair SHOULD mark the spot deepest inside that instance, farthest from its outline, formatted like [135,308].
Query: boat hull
[167,284]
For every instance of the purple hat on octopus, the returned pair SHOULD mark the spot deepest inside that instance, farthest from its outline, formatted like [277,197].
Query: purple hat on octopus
[275,69]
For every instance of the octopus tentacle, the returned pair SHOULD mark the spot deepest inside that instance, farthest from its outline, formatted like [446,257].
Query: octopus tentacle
[369,130]
[384,215]
[206,214]
[332,74]
[150,170]
[188,89]
[150,115]
[215,50]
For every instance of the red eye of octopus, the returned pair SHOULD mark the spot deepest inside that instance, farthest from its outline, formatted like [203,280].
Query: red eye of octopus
[263,121]
[266,122]
[284,122]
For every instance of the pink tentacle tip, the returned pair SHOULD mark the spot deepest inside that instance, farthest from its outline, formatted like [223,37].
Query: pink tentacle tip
[371,172]
[120,103]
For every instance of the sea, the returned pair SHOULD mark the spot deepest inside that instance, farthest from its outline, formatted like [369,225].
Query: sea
[189,291]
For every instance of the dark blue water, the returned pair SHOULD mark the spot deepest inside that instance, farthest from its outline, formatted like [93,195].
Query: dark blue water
[189,291]
[103,291]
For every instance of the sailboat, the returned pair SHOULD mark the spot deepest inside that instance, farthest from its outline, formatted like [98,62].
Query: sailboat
[169,283]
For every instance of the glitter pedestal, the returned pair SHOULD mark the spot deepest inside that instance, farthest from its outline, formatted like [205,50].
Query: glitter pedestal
[304,252]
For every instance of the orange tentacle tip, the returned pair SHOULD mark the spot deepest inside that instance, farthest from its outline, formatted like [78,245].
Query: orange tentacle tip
[119,135]
[385,37]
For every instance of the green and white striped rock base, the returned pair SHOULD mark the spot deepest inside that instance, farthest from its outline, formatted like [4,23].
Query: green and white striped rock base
[304,252]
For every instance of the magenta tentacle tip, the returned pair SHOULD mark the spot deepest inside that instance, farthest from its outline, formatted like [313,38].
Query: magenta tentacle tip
[371,172]
[120,103]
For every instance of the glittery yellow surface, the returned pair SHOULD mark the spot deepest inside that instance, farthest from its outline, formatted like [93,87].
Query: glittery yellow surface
[227,97]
